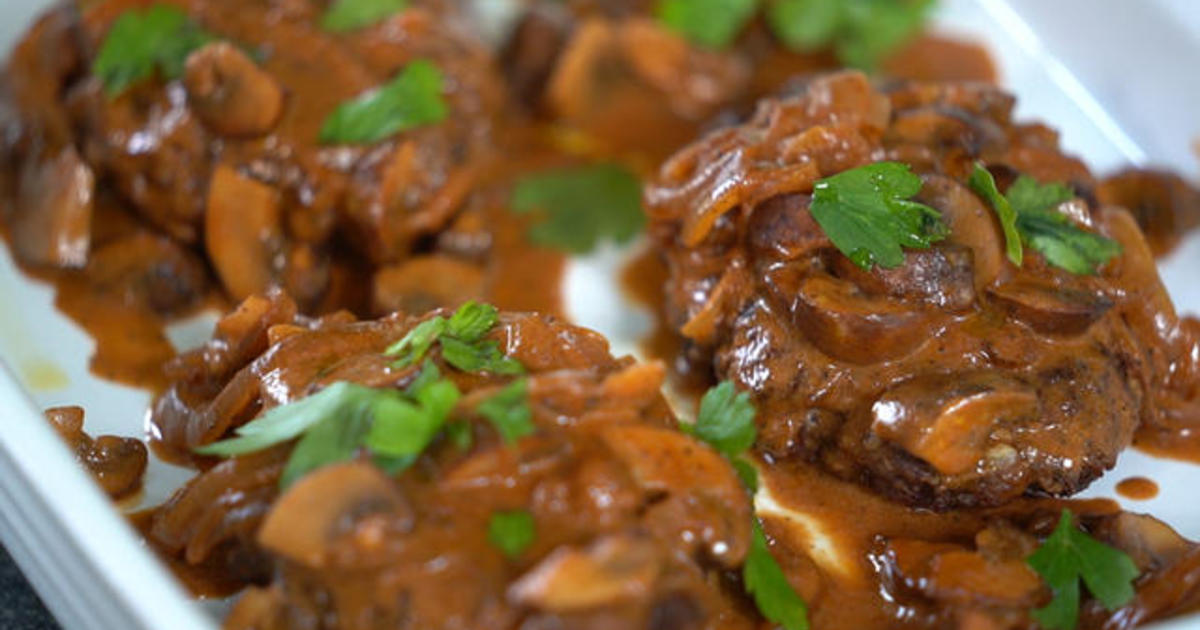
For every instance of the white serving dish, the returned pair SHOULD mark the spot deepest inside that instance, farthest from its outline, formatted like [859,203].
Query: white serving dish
[1081,65]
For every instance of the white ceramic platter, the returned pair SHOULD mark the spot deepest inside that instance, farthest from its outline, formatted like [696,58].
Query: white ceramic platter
[1114,76]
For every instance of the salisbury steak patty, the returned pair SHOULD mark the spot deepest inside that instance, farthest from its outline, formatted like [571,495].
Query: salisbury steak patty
[955,379]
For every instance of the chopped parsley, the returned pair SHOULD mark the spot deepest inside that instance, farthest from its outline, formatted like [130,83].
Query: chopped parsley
[512,532]
[1070,555]
[336,423]
[726,422]
[462,341]
[509,411]
[861,32]
[1027,214]
[767,584]
[159,38]
[708,23]
[982,182]
[412,99]
[868,214]
[578,207]
[348,15]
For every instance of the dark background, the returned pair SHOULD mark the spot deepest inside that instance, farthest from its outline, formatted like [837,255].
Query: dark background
[20,608]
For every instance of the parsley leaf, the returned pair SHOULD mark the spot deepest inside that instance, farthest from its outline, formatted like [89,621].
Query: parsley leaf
[460,434]
[709,23]
[404,428]
[336,438]
[140,42]
[580,206]
[347,15]
[861,32]
[1070,555]
[874,28]
[767,584]
[416,344]
[867,214]
[472,321]
[982,182]
[509,411]
[511,532]
[726,420]
[805,24]
[1028,216]
[286,422]
[335,423]
[481,356]
[461,340]
[412,99]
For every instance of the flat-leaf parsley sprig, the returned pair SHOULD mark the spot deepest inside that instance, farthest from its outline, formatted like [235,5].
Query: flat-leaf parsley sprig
[726,422]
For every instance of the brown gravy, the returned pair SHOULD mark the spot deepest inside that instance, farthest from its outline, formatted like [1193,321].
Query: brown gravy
[1137,488]
[828,547]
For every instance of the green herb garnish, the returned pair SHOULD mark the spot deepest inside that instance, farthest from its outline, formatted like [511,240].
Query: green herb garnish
[709,23]
[861,32]
[335,423]
[868,214]
[1028,218]
[982,182]
[767,584]
[412,99]
[160,38]
[726,422]
[509,411]
[512,532]
[581,206]
[462,341]
[1070,555]
[348,15]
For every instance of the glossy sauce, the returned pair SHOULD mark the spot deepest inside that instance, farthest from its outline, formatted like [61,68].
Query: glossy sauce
[204,580]
[826,537]
[1137,488]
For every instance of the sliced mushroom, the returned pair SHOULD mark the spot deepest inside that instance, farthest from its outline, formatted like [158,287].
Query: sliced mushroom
[242,231]
[971,223]
[942,276]
[846,324]
[571,89]
[407,287]
[328,505]
[1164,204]
[665,462]
[950,421]
[695,80]
[1048,309]
[149,271]
[230,93]
[52,224]
[613,569]
[116,463]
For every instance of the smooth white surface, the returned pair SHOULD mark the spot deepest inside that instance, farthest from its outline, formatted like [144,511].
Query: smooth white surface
[1107,95]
